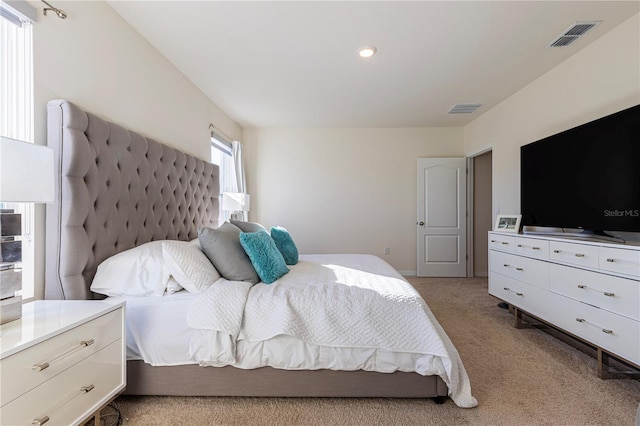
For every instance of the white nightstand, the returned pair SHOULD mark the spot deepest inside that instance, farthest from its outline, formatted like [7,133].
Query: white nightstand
[62,362]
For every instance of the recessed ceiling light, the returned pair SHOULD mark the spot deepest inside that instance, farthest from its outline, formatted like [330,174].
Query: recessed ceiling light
[367,51]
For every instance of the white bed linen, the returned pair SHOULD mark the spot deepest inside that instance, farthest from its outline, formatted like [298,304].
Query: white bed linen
[307,309]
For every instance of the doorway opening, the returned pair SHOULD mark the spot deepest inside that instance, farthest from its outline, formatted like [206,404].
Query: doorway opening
[480,212]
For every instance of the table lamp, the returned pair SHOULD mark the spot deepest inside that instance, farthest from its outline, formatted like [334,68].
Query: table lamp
[26,176]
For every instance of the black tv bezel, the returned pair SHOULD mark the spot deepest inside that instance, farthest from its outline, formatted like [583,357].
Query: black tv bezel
[584,227]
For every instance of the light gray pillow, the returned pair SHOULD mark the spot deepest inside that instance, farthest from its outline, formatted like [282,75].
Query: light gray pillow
[249,226]
[222,247]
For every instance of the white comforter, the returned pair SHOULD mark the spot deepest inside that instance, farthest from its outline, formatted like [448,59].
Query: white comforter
[347,302]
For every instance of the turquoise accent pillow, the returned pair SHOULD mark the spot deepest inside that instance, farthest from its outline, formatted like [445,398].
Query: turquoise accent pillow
[264,255]
[285,245]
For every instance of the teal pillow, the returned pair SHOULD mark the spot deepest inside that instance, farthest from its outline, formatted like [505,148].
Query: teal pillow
[285,245]
[264,255]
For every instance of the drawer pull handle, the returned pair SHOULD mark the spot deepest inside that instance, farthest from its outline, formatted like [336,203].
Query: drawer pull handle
[579,255]
[87,389]
[610,260]
[40,367]
[519,245]
[556,251]
[606,293]
[517,294]
[535,248]
[519,269]
[504,243]
[506,265]
[493,241]
[604,330]
[45,365]
[64,401]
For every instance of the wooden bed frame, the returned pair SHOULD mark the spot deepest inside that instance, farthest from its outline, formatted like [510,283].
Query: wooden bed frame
[117,189]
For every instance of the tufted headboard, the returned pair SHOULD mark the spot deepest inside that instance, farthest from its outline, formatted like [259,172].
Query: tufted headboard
[115,190]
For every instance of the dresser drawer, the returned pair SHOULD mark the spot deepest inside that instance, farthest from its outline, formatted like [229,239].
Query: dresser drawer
[62,398]
[502,242]
[531,271]
[620,261]
[18,374]
[524,296]
[532,247]
[614,294]
[614,333]
[574,254]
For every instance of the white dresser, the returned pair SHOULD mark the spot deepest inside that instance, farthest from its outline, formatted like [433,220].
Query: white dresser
[62,361]
[589,289]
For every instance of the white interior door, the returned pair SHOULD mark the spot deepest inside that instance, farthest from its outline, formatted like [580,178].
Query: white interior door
[442,225]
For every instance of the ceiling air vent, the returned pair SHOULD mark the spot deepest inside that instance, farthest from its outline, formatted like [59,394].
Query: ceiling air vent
[464,108]
[577,30]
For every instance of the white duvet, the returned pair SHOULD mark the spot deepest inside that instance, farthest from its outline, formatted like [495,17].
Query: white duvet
[344,312]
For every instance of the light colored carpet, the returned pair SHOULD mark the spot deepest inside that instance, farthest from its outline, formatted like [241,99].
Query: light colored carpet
[519,376]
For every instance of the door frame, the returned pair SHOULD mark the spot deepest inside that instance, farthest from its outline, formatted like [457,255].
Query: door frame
[470,198]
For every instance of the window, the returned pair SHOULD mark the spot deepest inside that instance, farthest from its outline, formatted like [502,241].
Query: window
[222,155]
[16,110]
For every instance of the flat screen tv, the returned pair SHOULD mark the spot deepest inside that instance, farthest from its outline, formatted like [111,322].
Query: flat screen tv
[585,178]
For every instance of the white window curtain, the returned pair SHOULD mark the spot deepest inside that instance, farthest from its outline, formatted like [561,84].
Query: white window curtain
[228,155]
[238,170]
[16,112]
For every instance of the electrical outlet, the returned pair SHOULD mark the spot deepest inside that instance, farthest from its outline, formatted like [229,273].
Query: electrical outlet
[387,250]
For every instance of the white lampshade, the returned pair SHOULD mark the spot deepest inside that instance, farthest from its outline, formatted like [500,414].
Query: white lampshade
[235,201]
[26,172]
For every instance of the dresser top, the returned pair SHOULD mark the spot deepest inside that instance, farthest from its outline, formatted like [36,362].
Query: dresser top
[43,319]
[569,238]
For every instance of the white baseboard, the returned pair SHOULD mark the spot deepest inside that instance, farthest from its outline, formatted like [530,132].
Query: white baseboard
[409,273]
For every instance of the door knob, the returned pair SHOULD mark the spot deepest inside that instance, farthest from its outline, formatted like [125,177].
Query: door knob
[421,223]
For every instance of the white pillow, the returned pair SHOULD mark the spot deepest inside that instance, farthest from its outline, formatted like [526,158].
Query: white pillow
[173,286]
[139,271]
[189,266]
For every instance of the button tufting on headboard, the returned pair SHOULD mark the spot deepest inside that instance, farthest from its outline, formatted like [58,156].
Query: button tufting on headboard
[116,189]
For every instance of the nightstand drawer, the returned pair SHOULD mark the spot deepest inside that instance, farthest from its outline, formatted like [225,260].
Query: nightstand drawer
[20,372]
[574,254]
[73,395]
[614,294]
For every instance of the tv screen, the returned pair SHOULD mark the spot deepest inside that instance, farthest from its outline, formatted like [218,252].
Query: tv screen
[587,177]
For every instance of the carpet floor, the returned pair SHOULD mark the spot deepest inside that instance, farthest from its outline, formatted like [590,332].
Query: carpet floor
[519,376]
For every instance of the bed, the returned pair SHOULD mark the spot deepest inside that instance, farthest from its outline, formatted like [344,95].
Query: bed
[117,190]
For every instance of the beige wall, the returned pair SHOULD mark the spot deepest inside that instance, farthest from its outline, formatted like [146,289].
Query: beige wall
[344,190]
[599,80]
[96,60]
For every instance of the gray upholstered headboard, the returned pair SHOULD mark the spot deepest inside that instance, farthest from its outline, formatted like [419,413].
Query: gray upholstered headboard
[115,190]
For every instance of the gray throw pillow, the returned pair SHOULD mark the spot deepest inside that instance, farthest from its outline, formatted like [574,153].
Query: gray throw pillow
[222,247]
[248,226]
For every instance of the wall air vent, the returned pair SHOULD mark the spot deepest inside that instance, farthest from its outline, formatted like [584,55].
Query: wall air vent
[464,108]
[577,30]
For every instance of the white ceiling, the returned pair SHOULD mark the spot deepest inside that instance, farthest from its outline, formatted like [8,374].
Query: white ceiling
[295,64]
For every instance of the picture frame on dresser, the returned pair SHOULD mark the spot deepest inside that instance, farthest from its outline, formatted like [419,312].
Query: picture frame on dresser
[508,223]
